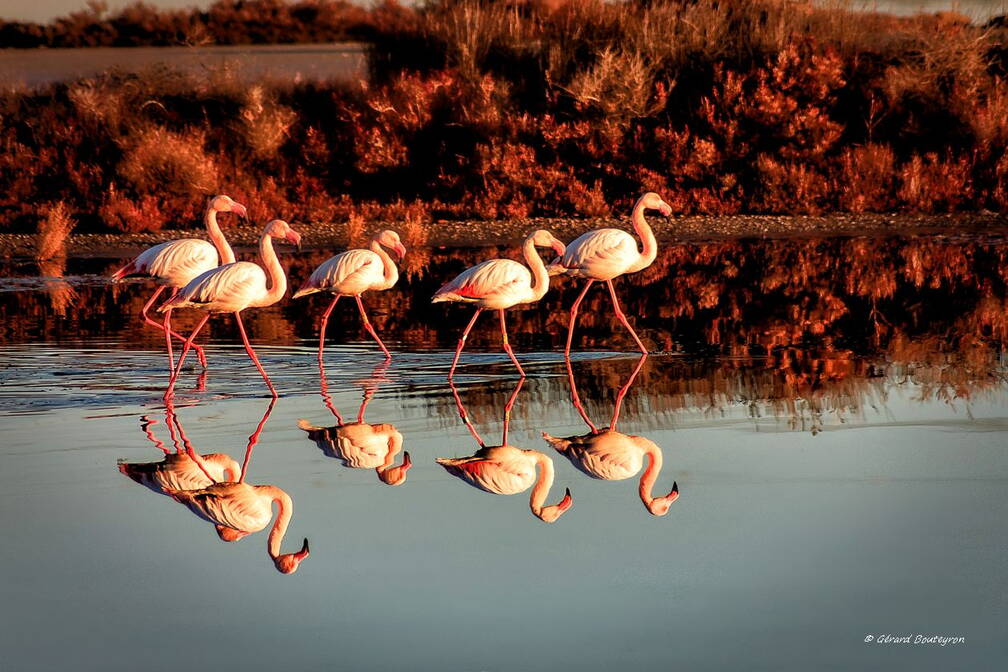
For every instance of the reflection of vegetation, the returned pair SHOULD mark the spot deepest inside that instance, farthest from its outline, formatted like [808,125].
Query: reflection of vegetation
[483,109]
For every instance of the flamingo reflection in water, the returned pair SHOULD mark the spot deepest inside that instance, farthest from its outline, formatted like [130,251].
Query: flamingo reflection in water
[613,456]
[360,445]
[235,508]
[505,469]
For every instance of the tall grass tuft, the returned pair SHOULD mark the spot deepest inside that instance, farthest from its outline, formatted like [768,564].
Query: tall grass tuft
[55,226]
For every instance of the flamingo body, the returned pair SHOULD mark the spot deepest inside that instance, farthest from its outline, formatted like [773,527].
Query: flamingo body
[357,445]
[608,455]
[173,263]
[494,284]
[602,254]
[226,289]
[178,471]
[501,470]
[348,273]
[240,506]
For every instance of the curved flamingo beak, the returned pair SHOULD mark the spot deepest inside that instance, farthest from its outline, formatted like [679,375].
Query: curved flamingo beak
[288,564]
[293,237]
[549,514]
[560,248]
[397,475]
[659,506]
[400,250]
[239,210]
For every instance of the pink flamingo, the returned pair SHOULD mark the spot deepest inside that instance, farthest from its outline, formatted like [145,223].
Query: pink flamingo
[498,284]
[613,456]
[182,469]
[234,287]
[175,263]
[604,254]
[360,445]
[505,469]
[352,273]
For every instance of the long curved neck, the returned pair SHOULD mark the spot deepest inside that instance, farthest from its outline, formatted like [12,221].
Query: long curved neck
[650,245]
[283,518]
[543,484]
[278,279]
[647,481]
[217,237]
[540,277]
[390,272]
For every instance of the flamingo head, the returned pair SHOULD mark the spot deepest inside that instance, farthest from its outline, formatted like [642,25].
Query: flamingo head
[288,563]
[396,475]
[549,514]
[543,238]
[659,506]
[281,229]
[652,201]
[390,239]
[224,203]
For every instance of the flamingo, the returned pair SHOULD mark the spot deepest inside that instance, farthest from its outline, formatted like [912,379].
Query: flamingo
[234,287]
[604,254]
[352,273]
[360,445]
[498,284]
[613,456]
[175,263]
[182,469]
[507,470]
[246,509]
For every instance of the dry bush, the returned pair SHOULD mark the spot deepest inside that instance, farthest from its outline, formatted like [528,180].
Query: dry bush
[866,179]
[159,160]
[263,124]
[121,213]
[932,184]
[54,228]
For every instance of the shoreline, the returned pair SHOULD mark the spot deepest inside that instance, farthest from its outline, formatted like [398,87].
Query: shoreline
[442,234]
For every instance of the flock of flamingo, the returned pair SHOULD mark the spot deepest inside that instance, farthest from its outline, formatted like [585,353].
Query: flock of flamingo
[213,486]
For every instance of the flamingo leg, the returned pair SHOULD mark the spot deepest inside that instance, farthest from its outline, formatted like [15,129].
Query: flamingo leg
[251,353]
[576,398]
[185,351]
[623,390]
[370,329]
[622,317]
[254,438]
[507,411]
[166,327]
[146,423]
[322,328]
[507,346]
[461,343]
[573,316]
[325,394]
[464,416]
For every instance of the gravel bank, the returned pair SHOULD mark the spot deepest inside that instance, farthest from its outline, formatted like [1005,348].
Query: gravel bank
[482,233]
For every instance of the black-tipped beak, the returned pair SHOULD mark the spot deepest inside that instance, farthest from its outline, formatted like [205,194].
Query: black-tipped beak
[675,487]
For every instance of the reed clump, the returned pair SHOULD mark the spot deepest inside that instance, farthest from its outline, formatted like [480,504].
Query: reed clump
[55,225]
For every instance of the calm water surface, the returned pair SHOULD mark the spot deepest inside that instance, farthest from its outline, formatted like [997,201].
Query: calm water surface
[833,411]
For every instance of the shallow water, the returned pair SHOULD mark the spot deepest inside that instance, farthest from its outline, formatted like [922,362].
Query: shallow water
[834,413]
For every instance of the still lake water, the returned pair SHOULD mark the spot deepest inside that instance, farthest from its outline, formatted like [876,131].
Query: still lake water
[834,412]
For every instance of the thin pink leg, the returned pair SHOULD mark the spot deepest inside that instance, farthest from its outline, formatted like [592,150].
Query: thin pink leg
[507,411]
[370,329]
[576,399]
[507,346]
[185,351]
[254,438]
[461,343]
[573,317]
[322,328]
[251,353]
[146,425]
[464,416]
[167,324]
[623,390]
[371,386]
[326,399]
[622,317]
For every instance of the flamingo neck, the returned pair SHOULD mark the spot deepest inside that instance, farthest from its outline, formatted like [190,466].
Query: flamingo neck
[277,277]
[283,518]
[647,481]
[540,276]
[390,273]
[543,484]
[217,237]
[650,245]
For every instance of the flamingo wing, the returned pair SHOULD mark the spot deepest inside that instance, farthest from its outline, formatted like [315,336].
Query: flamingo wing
[493,471]
[600,254]
[234,505]
[496,279]
[176,262]
[350,272]
[229,288]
